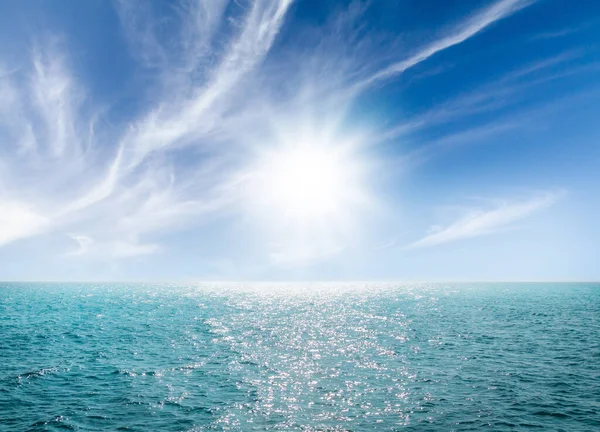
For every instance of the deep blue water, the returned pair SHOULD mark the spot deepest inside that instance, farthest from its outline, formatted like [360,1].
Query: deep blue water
[300,357]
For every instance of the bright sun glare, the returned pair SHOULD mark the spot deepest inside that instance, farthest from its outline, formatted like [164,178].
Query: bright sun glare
[308,193]
[305,182]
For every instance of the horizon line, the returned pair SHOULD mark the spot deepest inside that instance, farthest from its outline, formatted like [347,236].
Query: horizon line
[223,281]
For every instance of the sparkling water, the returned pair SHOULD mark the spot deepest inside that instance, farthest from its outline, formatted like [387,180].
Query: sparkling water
[300,357]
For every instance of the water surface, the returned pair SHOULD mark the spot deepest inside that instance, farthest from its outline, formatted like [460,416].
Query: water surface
[300,357]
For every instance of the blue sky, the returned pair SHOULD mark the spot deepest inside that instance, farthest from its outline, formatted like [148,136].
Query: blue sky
[275,140]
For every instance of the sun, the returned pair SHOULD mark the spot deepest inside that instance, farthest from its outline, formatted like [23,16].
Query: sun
[305,182]
[308,194]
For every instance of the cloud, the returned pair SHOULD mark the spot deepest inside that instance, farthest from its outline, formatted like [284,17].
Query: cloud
[114,192]
[434,148]
[462,32]
[217,92]
[114,249]
[507,90]
[561,32]
[56,99]
[190,42]
[477,222]
[84,243]
[126,250]
[18,221]
[185,121]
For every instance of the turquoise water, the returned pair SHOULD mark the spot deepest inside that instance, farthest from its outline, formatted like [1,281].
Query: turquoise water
[300,357]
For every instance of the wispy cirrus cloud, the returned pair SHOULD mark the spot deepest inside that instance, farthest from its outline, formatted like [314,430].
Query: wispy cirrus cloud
[565,31]
[477,221]
[110,194]
[216,91]
[507,90]
[459,34]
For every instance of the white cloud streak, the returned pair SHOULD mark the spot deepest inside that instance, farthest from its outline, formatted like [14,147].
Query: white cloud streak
[508,89]
[216,93]
[69,176]
[462,32]
[18,221]
[181,122]
[56,100]
[477,222]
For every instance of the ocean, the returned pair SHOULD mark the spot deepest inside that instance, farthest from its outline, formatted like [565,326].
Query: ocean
[312,357]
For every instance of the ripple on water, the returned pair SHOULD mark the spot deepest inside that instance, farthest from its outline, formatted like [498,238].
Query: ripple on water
[329,357]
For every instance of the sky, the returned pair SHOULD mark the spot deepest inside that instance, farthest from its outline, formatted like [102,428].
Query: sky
[404,140]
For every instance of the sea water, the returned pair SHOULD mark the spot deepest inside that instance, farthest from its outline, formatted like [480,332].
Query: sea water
[355,357]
